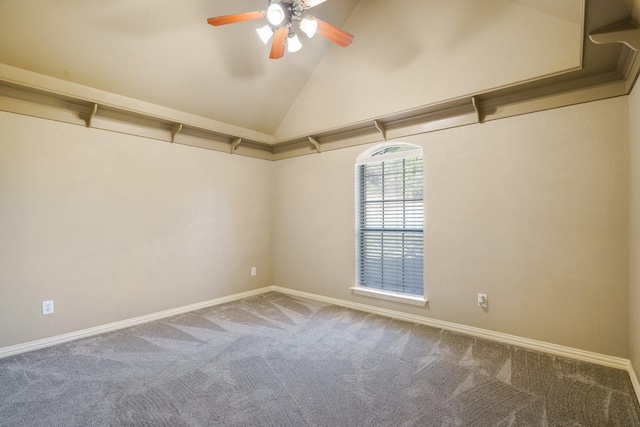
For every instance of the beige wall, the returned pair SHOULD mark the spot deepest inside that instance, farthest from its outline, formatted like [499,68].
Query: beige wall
[532,210]
[634,229]
[112,227]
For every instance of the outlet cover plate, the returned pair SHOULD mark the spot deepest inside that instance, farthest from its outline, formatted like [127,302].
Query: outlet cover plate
[482,300]
[47,307]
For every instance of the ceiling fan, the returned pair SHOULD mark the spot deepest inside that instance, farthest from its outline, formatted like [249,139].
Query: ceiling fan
[282,14]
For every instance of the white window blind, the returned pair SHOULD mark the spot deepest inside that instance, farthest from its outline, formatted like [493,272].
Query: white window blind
[390,220]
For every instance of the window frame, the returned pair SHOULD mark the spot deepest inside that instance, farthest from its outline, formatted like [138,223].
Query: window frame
[377,155]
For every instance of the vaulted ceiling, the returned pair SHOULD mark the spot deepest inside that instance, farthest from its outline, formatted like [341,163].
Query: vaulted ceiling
[409,59]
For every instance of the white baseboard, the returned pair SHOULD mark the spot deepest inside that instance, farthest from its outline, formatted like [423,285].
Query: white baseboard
[545,347]
[109,327]
[634,381]
[573,353]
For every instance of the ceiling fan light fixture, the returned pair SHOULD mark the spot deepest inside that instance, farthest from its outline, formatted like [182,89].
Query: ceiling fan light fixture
[275,14]
[309,26]
[265,33]
[283,16]
[293,43]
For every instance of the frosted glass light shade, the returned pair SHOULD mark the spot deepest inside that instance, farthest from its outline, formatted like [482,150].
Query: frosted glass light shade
[265,33]
[309,26]
[293,43]
[275,14]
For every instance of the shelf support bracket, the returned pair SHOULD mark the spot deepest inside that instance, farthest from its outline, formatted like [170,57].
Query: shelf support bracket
[177,128]
[380,126]
[234,144]
[88,117]
[626,32]
[315,144]
[476,107]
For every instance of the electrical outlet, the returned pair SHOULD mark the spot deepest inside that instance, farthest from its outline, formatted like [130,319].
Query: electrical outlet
[482,300]
[253,271]
[47,307]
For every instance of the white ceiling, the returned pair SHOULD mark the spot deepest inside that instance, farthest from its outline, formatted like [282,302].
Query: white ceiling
[406,55]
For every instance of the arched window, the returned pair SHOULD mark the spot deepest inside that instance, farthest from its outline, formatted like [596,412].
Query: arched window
[390,220]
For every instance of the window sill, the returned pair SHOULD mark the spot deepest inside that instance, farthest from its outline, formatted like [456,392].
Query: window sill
[390,296]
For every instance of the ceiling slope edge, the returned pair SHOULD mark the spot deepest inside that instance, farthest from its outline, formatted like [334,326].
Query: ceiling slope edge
[32,94]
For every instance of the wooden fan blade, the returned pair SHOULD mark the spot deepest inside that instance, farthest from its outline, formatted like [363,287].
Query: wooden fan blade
[237,17]
[333,33]
[277,47]
[310,3]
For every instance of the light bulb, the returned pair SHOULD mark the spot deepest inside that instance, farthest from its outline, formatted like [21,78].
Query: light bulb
[275,14]
[265,33]
[293,43]
[309,26]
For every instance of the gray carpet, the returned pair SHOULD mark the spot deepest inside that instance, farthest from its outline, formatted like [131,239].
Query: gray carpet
[274,360]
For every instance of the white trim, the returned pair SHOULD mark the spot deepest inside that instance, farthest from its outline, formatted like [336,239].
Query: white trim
[368,156]
[634,381]
[390,296]
[109,327]
[585,356]
[558,350]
